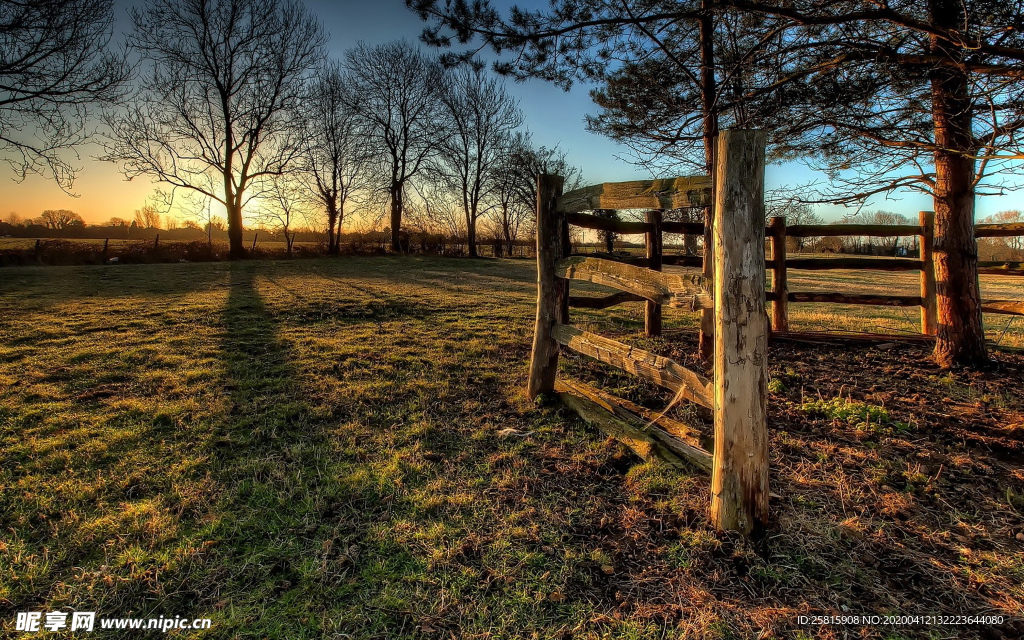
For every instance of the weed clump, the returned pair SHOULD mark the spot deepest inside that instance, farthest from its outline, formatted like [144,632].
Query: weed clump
[860,415]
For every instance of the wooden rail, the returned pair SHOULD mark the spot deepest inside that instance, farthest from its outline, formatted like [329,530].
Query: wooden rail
[877,264]
[832,230]
[1013,307]
[597,223]
[671,193]
[735,268]
[1007,230]
[739,464]
[656,369]
[673,289]
[650,435]
[593,302]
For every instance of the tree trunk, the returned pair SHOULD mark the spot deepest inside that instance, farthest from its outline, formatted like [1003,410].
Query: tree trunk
[708,92]
[506,230]
[471,236]
[960,338]
[237,247]
[396,217]
[332,220]
[341,221]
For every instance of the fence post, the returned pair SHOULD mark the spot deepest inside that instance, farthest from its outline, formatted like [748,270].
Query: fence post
[652,310]
[739,480]
[552,292]
[106,244]
[780,283]
[38,251]
[929,321]
[254,241]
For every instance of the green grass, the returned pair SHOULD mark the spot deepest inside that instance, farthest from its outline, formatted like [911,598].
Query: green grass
[315,449]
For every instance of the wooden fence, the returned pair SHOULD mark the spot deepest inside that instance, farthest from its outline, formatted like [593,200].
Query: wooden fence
[738,460]
[779,263]
[737,455]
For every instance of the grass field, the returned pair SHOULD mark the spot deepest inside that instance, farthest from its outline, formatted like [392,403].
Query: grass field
[342,449]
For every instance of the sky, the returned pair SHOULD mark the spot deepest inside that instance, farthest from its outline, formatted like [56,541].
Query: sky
[554,116]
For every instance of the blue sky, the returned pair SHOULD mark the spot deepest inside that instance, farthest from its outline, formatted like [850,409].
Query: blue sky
[554,117]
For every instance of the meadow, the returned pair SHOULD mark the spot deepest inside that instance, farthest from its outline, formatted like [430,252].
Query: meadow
[342,448]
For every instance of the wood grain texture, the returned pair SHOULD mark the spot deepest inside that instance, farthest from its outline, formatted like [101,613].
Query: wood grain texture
[1007,230]
[850,298]
[739,481]
[1013,307]
[624,227]
[667,193]
[929,313]
[780,280]
[552,292]
[656,369]
[642,420]
[674,289]
[626,432]
[831,230]
[603,302]
[873,264]
[653,247]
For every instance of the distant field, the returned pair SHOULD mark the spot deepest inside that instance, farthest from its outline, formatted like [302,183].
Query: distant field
[28,243]
[342,448]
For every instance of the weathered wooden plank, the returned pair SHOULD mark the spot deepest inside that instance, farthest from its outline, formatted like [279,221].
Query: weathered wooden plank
[1000,271]
[682,261]
[849,298]
[690,228]
[739,479]
[636,261]
[653,246]
[675,429]
[552,293]
[874,264]
[874,230]
[929,311]
[1007,230]
[780,281]
[674,289]
[588,302]
[667,193]
[643,444]
[657,369]
[1013,307]
[625,227]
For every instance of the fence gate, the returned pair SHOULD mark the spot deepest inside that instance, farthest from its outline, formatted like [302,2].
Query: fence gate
[738,462]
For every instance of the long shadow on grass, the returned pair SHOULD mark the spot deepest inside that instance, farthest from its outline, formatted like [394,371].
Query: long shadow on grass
[292,516]
[265,429]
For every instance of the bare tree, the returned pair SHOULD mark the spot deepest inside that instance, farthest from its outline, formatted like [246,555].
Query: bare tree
[282,206]
[1009,248]
[397,99]
[147,217]
[335,155]
[215,112]
[795,212]
[54,66]
[914,94]
[482,119]
[59,219]
[510,210]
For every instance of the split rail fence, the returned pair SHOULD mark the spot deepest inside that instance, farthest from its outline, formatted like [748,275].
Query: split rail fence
[736,457]
[738,460]
[779,263]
